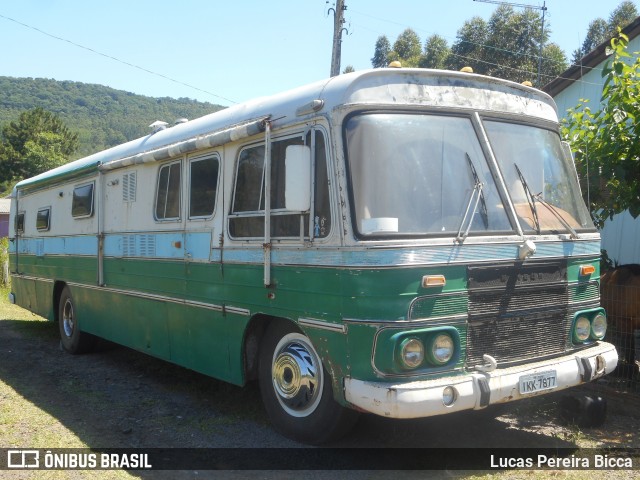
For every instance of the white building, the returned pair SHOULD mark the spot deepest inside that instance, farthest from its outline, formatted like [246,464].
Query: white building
[621,235]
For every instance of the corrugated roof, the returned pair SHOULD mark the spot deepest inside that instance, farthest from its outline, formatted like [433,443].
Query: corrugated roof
[5,205]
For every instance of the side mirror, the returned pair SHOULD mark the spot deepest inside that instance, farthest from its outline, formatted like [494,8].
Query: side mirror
[297,185]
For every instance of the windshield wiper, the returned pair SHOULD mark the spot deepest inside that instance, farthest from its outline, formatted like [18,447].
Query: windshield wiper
[479,197]
[530,198]
[538,197]
[556,214]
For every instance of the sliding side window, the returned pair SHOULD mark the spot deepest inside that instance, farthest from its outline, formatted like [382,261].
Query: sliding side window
[247,212]
[19,225]
[203,186]
[168,192]
[82,203]
[43,219]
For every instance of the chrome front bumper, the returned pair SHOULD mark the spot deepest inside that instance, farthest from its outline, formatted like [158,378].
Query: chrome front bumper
[478,389]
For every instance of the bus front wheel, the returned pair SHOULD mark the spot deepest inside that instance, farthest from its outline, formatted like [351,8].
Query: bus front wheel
[73,340]
[296,389]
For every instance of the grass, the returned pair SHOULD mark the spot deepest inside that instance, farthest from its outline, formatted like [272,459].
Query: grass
[25,425]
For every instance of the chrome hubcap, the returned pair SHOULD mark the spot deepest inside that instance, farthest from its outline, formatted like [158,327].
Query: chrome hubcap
[297,375]
[68,323]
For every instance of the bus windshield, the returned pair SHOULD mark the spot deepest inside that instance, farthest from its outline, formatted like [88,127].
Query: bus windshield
[540,179]
[416,175]
[426,175]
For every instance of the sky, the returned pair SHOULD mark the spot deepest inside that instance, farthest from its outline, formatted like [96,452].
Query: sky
[227,52]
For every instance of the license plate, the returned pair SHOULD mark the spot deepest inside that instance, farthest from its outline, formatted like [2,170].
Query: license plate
[538,382]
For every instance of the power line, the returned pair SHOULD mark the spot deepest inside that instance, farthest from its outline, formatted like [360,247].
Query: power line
[146,70]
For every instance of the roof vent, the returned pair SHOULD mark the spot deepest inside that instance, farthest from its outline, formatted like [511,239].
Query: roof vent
[157,126]
[180,120]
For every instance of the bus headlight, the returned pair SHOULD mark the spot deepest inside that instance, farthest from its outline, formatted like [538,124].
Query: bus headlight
[412,352]
[442,348]
[599,326]
[581,329]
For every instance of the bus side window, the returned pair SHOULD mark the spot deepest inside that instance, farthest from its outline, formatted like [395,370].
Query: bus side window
[322,209]
[82,202]
[203,186]
[19,226]
[247,214]
[43,219]
[168,192]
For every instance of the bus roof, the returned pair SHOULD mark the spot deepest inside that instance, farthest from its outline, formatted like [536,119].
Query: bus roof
[437,88]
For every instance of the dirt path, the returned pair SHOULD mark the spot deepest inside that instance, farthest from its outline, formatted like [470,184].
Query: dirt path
[119,398]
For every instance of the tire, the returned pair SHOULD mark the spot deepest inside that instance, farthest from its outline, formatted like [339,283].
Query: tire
[296,389]
[72,339]
[584,411]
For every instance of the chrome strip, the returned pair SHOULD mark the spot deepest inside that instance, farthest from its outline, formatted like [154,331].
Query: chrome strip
[150,296]
[321,324]
[237,311]
[413,322]
[28,277]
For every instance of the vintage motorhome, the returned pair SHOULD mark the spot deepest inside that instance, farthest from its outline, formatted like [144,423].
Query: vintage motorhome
[404,242]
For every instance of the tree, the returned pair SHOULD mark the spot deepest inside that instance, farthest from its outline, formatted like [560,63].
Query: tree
[606,142]
[348,69]
[622,16]
[597,33]
[407,48]
[468,49]
[507,46]
[436,53]
[38,142]
[601,30]
[381,53]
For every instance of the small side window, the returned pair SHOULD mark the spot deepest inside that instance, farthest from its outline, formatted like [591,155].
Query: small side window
[82,204]
[43,219]
[20,222]
[168,192]
[204,184]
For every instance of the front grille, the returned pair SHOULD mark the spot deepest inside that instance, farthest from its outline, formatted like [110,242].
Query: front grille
[517,311]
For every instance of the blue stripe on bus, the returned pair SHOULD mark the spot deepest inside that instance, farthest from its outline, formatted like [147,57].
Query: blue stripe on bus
[197,246]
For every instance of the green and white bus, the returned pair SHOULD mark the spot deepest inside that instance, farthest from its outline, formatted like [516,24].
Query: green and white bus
[404,242]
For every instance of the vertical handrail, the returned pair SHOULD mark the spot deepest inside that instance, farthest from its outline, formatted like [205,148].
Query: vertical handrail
[267,204]
[98,199]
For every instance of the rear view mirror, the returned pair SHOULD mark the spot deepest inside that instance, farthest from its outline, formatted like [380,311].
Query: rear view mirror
[297,190]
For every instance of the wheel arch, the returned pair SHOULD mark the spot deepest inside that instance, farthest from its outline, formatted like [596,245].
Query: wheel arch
[58,287]
[253,336]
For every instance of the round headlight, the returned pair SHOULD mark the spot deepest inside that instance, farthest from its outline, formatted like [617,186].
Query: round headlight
[599,326]
[412,352]
[582,329]
[442,348]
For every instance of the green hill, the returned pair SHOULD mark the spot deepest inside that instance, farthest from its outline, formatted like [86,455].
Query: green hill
[102,116]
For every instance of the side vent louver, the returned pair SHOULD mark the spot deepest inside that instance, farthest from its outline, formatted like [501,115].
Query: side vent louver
[129,187]
[138,246]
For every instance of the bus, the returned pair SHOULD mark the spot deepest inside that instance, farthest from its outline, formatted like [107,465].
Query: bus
[402,242]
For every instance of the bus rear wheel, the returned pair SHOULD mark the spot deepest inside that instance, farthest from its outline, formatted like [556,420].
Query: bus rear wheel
[296,389]
[72,339]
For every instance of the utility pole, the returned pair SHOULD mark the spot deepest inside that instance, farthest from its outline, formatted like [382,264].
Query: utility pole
[338,21]
[543,8]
